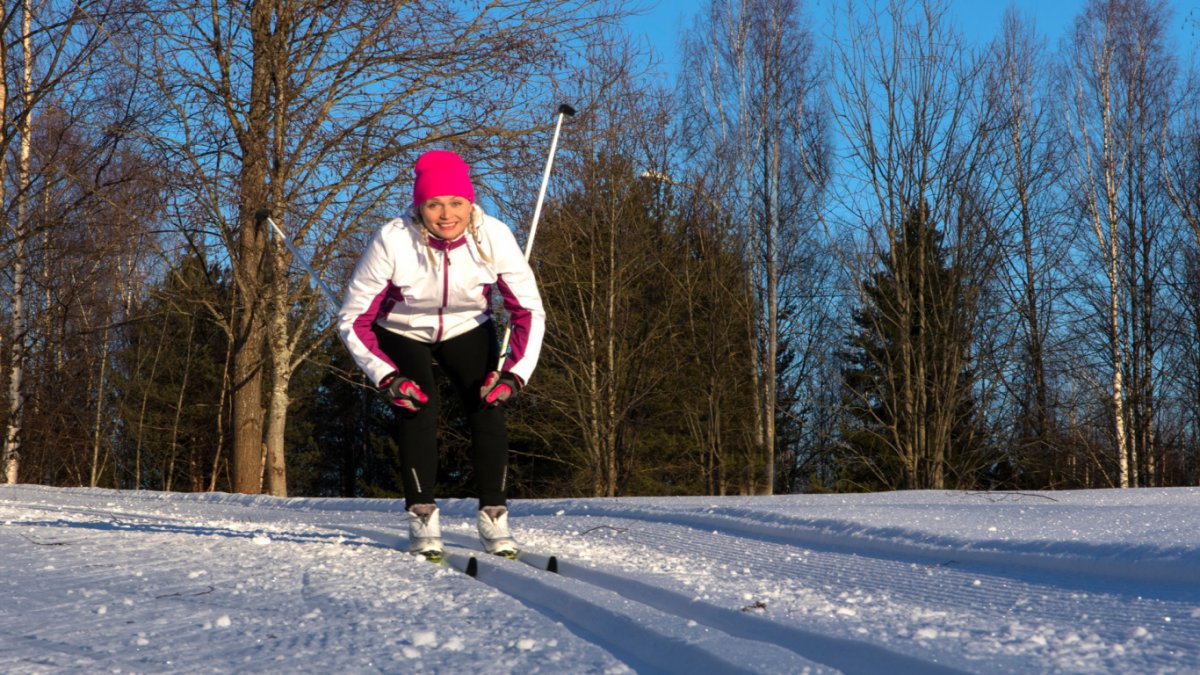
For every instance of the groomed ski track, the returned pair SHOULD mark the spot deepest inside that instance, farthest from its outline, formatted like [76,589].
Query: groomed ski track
[651,586]
[655,630]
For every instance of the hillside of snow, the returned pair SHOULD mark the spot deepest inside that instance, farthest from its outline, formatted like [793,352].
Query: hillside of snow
[903,582]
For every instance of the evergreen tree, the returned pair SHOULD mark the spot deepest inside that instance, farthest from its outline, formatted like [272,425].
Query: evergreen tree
[912,419]
[172,377]
[340,436]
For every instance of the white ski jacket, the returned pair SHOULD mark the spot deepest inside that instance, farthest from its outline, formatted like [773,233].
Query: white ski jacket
[396,287]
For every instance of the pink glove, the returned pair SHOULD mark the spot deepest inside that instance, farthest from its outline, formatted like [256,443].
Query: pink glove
[402,392]
[498,387]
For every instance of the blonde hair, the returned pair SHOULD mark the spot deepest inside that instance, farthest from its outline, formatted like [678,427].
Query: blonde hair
[473,227]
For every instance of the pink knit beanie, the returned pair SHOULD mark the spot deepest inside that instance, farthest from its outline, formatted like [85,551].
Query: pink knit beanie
[440,173]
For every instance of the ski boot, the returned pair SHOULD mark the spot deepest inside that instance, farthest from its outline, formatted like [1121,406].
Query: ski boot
[425,532]
[494,534]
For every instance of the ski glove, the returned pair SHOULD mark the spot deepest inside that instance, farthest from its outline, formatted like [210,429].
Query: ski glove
[402,392]
[498,387]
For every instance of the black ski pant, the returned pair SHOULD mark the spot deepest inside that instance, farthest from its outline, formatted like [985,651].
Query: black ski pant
[466,360]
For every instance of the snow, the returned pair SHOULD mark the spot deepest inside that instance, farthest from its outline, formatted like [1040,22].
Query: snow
[902,582]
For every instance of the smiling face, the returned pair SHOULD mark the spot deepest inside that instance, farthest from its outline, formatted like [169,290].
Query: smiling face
[446,217]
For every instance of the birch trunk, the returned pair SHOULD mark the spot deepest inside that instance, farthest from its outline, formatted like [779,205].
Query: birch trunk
[16,390]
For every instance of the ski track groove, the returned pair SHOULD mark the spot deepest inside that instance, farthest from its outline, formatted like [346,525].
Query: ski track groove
[1153,577]
[845,655]
[858,583]
[734,616]
[578,605]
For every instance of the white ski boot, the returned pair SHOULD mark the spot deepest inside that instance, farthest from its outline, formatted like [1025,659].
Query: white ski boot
[493,532]
[424,531]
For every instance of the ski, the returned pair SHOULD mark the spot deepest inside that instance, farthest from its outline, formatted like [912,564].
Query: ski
[467,561]
[548,563]
[464,561]
[470,567]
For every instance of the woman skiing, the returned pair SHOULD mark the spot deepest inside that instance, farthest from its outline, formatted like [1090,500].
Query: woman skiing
[422,292]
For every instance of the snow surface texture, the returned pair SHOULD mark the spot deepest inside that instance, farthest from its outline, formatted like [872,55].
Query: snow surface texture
[905,582]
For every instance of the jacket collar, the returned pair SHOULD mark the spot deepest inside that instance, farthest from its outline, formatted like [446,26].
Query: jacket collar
[443,245]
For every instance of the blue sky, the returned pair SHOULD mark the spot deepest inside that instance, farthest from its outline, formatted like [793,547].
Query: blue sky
[978,19]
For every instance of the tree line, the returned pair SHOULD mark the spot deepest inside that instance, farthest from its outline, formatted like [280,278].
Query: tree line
[870,256]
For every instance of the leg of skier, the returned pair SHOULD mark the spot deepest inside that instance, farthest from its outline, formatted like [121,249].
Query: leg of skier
[467,359]
[416,434]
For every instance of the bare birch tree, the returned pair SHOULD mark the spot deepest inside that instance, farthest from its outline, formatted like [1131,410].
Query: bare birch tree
[58,43]
[1030,225]
[1181,180]
[1121,77]
[20,233]
[750,64]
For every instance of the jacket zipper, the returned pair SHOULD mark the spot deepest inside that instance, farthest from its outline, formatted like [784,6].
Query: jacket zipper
[445,292]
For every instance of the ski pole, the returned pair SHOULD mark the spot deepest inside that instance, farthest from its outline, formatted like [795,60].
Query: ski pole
[265,214]
[563,110]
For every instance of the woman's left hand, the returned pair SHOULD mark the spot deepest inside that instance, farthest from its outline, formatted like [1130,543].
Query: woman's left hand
[498,387]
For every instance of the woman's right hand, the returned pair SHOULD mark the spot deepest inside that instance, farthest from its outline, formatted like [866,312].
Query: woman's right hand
[402,392]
